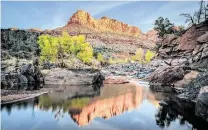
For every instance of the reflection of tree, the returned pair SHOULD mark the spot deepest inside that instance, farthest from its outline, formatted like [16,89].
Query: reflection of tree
[61,106]
[179,109]
[46,103]
[163,117]
[19,105]
[8,108]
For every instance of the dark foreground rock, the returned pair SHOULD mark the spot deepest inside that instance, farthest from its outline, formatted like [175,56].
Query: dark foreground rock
[25,77]
[73,77]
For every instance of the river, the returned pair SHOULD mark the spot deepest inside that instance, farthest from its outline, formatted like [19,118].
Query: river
[112,107]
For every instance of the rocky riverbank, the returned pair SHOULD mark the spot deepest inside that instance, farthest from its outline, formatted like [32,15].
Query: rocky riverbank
[187,78]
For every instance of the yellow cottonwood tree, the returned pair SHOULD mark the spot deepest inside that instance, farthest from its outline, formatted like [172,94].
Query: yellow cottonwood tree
[148,56]
[58,48]
[139,55]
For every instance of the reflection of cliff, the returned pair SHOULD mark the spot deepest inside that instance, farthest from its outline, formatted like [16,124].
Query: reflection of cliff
[124,98]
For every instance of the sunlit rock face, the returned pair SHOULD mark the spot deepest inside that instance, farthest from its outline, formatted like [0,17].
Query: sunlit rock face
[108,105]
[108,33]
[104,24]
[151,35]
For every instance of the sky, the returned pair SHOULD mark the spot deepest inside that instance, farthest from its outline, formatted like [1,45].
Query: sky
[53,14]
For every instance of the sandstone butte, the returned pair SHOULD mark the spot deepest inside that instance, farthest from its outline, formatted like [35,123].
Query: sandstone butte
[104,24]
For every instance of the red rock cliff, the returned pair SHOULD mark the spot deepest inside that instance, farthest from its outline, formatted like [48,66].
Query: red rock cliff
[104,24]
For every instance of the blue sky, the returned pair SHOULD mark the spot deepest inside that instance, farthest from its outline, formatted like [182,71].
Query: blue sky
[50,15]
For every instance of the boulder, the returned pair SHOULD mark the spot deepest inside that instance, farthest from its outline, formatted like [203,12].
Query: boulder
[186,79]
[203,38]
[167,75]
[73,76]
[192,89]
[202,103]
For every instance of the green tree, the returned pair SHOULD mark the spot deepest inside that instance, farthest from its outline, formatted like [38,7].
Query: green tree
[163,26]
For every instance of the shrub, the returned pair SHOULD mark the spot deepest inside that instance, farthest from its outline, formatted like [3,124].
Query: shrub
[138,56]
[100,57]
[148,56]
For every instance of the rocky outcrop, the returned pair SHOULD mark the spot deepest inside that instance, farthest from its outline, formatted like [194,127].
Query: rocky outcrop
[73,77]
[104,24]
[192,89]
[192,44]
[188,77]
[25,77]
[167,75]
[151,35]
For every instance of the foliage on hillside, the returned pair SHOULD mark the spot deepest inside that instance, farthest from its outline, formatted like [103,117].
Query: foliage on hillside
[61,48]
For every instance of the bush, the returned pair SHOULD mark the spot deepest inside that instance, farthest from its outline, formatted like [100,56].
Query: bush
[100,57]
[148,56]
[138,56]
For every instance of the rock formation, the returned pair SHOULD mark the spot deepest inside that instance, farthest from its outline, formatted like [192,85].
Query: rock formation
[109,33]
[192,45]
[104,24]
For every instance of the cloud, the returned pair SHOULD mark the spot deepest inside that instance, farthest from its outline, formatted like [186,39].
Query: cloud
[97,8]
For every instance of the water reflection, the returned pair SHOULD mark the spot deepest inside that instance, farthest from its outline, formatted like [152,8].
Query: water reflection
[112,101]
[84,106]
[184,110]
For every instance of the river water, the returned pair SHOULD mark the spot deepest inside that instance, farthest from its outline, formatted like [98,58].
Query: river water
[113,107]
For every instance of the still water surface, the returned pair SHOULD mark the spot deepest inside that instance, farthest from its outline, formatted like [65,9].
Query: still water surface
[116,107]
